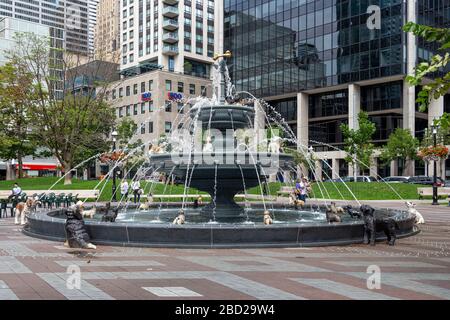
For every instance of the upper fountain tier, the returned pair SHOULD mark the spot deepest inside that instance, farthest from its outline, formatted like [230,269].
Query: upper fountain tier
[224,117]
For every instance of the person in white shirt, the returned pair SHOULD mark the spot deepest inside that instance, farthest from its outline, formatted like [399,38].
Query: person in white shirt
[124,189]
[136,186]
[16,190]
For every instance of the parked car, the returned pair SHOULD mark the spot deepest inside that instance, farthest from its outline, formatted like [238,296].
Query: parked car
[426,180]
[359,179]
[396,179]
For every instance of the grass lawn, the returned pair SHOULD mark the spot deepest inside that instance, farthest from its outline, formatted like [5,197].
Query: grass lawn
[362,190]
[46,182]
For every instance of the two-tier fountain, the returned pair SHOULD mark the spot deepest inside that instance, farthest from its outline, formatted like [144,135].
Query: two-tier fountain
[222,146]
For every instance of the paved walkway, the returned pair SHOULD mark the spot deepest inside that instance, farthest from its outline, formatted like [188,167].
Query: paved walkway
[416,268]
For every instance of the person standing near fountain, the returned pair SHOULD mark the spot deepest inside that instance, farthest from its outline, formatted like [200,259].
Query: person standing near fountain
[124,189]
[302,187]
[136,187]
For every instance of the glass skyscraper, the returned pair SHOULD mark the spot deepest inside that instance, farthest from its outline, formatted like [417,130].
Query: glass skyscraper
[321,62]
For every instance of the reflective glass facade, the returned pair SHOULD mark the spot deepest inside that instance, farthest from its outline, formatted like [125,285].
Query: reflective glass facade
[432,13]
[285,46]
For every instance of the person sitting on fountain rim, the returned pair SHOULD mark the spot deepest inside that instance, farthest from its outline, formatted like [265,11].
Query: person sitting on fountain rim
[136,187]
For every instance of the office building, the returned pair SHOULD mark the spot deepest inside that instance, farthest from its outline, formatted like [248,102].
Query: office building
[166,57]
[69,17]
[107,31]
[319,63]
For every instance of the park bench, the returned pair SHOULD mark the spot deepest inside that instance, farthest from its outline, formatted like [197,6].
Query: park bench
[442,191]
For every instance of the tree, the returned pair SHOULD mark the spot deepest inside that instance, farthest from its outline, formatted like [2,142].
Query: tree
[425,71]
[357,142]
[67,120]
[17,96]
[401,145]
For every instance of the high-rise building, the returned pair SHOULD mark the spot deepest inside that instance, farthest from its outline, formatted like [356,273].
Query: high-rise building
[319,63]
[166,57]
[92,21]
[32,166]
[107,31]
[68,16]
[176,34]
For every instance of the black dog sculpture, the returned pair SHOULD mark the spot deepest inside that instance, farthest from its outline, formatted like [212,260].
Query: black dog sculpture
[352,212]
[387,225]
[110,215]
[76,233]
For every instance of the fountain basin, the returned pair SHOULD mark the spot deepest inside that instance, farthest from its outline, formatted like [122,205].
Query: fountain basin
[50,225]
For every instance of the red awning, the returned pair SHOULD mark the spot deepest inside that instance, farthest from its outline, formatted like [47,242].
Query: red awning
[34,166]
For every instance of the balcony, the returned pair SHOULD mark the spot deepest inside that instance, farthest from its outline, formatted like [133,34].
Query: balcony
[170,37]
[170,50]
[170,12]
[170,2]
[170,24]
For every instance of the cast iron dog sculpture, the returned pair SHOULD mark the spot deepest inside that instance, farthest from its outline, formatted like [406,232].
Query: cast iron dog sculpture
[353,212]
[76,233]
[110,215]
[371,224]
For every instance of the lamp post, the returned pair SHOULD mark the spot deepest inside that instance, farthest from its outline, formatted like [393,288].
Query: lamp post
[114,138]
[435,190]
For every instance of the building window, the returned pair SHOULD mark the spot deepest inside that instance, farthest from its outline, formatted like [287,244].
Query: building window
[127,92]
[142,87]
[150,106]
[128,111]
[150,85]
[180,107]
[120,92]
[143,128]
[203,91]
[192,88]
[187,47]
[168,105]
[180,87]
[168,85]
[120,112]
[150,127]
[198,50]
[142,108]
[167,127]
[135,88]
[131,57]
[171,64]
[114,93]
[135,109]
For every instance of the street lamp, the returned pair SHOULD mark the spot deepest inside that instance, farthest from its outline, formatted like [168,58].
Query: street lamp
[114,138]
[435,189]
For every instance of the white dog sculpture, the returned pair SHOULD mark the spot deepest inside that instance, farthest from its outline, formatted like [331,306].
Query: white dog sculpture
[413,211]
[274,145]
[208,147]
[267,218]
[180,219]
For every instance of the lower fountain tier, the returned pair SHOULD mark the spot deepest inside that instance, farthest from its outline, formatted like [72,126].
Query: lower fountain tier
[229,180]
